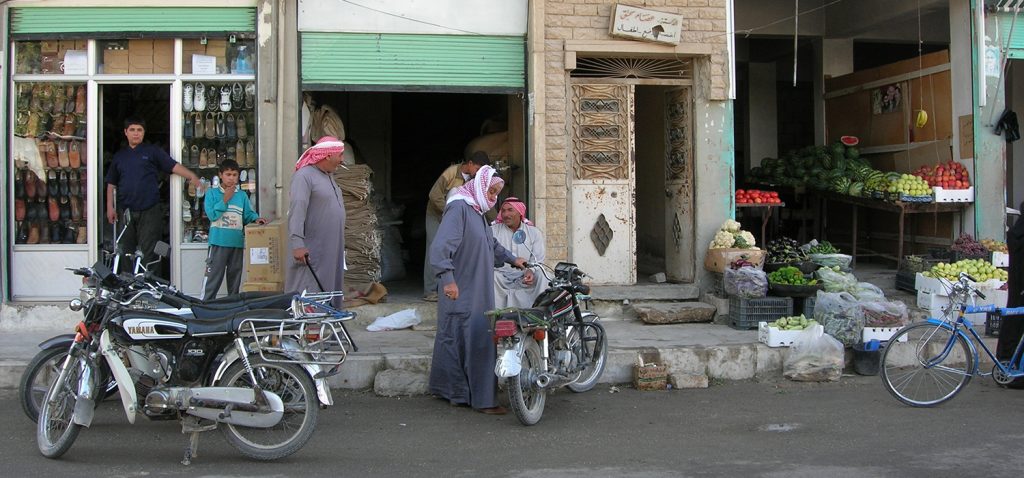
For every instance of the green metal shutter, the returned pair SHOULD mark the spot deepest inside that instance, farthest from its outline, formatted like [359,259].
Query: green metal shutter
[1016,46]
[402,62]
[64,20]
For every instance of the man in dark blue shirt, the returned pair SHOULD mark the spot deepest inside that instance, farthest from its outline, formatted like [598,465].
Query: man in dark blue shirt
[135,172]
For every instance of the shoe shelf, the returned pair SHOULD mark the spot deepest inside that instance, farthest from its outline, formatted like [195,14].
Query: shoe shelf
[49,161]
[219,123]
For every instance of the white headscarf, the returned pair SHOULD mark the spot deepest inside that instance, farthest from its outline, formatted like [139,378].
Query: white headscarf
[475,191]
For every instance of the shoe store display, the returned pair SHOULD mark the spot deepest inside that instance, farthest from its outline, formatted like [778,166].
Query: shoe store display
[21,237]
[188,128]
[81,237]
[63,183]
[250,152]
[70,124]
[62,154]
[231,127]
[212,98]
[19,183]
[20,210]
[75,154]
[55,233]
[53,208]
[69,233]
[240,154]
[71,98]
[222,129]
[250,95]
[76,208]
[80,100]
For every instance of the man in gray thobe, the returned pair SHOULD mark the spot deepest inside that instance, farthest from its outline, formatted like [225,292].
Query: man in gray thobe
[316,221]
[463,255]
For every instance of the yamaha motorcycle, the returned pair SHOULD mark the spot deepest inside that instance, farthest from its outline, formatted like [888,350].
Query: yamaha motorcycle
[556,343]
[259,375]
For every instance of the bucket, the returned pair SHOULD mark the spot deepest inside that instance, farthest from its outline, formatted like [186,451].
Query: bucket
[866,358]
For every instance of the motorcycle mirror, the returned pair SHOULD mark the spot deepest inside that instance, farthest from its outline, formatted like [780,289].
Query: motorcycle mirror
[519,237]
[162,249]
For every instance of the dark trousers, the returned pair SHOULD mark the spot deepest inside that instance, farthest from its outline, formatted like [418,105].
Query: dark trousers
[218,261]
[144,229]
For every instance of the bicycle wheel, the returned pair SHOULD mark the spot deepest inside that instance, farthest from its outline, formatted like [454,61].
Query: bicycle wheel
[925,364]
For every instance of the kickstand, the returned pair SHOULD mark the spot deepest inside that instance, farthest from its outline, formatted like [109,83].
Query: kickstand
[192,450]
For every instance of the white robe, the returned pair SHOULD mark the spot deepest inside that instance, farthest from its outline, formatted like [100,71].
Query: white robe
[509,290]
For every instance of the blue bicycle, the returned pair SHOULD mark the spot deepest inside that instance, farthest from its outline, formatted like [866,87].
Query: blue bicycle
[928,363]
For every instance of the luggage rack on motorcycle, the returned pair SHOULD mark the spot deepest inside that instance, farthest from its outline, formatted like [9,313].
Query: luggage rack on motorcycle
[317,327]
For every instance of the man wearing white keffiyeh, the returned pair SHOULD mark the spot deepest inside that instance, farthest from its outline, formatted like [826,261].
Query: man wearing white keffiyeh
[463,255]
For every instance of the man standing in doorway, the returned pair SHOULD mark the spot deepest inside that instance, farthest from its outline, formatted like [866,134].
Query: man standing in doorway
[455,176]
[134,173]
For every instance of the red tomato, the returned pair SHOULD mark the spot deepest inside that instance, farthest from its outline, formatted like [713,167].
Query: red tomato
[758,201]
[740,192]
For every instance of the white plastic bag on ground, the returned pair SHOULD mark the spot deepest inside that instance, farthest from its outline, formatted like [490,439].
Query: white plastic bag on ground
[399,320]
[814,357]
[868,292]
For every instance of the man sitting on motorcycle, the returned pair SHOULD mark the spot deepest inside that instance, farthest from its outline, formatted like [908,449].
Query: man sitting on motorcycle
[514,287]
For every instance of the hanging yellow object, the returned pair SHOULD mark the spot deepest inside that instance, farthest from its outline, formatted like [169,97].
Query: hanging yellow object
[922,118]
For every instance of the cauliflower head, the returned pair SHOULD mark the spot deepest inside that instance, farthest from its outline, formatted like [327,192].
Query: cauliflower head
[731,226]
[722,240]
[746,238]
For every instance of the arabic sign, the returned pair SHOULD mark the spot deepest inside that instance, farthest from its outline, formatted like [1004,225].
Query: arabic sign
[648,25]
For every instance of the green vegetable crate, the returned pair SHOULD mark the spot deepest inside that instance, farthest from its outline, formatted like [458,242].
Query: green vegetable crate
[746,313]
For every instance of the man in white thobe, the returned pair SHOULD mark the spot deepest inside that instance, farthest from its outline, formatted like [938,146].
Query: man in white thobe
[514,287]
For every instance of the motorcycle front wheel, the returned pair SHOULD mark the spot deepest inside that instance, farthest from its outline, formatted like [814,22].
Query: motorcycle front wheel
[524,396]
[41,372]
[297,391]
[595,345]
[55,430]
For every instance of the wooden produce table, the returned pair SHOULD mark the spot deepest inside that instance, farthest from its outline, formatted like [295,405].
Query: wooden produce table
[766,214]
[900,208]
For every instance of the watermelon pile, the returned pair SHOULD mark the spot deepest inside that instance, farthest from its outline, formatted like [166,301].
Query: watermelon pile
[837,167]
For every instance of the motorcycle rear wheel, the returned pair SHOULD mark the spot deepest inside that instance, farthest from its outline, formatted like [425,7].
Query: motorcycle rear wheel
[596,344]
[524,396]
[297,391]
[55,430]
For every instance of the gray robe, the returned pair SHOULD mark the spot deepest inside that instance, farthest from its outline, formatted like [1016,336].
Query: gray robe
[464,251]
[509,290]
[316,221]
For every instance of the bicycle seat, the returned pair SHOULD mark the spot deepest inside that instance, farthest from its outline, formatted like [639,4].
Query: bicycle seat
[230,323]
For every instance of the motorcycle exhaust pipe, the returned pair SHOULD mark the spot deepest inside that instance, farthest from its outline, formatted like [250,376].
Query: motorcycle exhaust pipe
[542,381]
[85,406]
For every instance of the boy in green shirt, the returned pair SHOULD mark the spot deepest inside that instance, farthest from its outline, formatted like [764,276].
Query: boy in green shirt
[229,211]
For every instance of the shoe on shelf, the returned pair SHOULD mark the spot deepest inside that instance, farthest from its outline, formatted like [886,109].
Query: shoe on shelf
[33,234]
[187,97]
[231,127]
[81,237]
[211,125]
[62,154]
[199,102]
[240,154]
[222,129]
[202,191]
[20,210]
[193,156]
[75,154]
[225,98]
[250,95]
[237,96]
[250,152]
[241,128]
[80,95]
[53,208]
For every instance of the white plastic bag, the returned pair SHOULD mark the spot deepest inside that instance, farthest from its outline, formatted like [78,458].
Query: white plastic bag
[399,320]
[510,363]
[868,292]
[814,357]
[841,315]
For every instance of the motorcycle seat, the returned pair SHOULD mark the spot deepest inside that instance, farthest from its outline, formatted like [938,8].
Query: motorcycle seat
[525,316]
[216,311]
[230,323]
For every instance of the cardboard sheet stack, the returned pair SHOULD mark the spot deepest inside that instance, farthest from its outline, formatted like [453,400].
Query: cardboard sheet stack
[362,238]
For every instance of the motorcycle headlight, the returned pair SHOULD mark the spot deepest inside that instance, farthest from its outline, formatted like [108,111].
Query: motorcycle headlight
[75,305]
[85,294]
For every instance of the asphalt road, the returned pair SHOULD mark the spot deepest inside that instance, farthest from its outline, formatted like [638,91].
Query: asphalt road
[774,429]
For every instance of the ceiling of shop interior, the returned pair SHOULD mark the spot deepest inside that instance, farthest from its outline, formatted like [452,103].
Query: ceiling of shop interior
[862,20]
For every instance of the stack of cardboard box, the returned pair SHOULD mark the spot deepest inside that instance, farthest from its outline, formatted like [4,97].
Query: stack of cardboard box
[140,57]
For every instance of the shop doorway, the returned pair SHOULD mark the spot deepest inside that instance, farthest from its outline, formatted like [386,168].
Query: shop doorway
[408,139]
[117,102]
[632,189]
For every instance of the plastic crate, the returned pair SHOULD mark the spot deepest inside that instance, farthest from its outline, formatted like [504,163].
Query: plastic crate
[805,306]
[881,334]
[1000,259]
[775,337]
[954,195]
[905,281]
[746,313]
[718,283]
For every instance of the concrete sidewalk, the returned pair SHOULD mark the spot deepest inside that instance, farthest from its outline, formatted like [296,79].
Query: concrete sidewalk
[397,362]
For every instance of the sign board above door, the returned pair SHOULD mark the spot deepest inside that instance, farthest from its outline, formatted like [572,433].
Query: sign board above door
[637,23]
